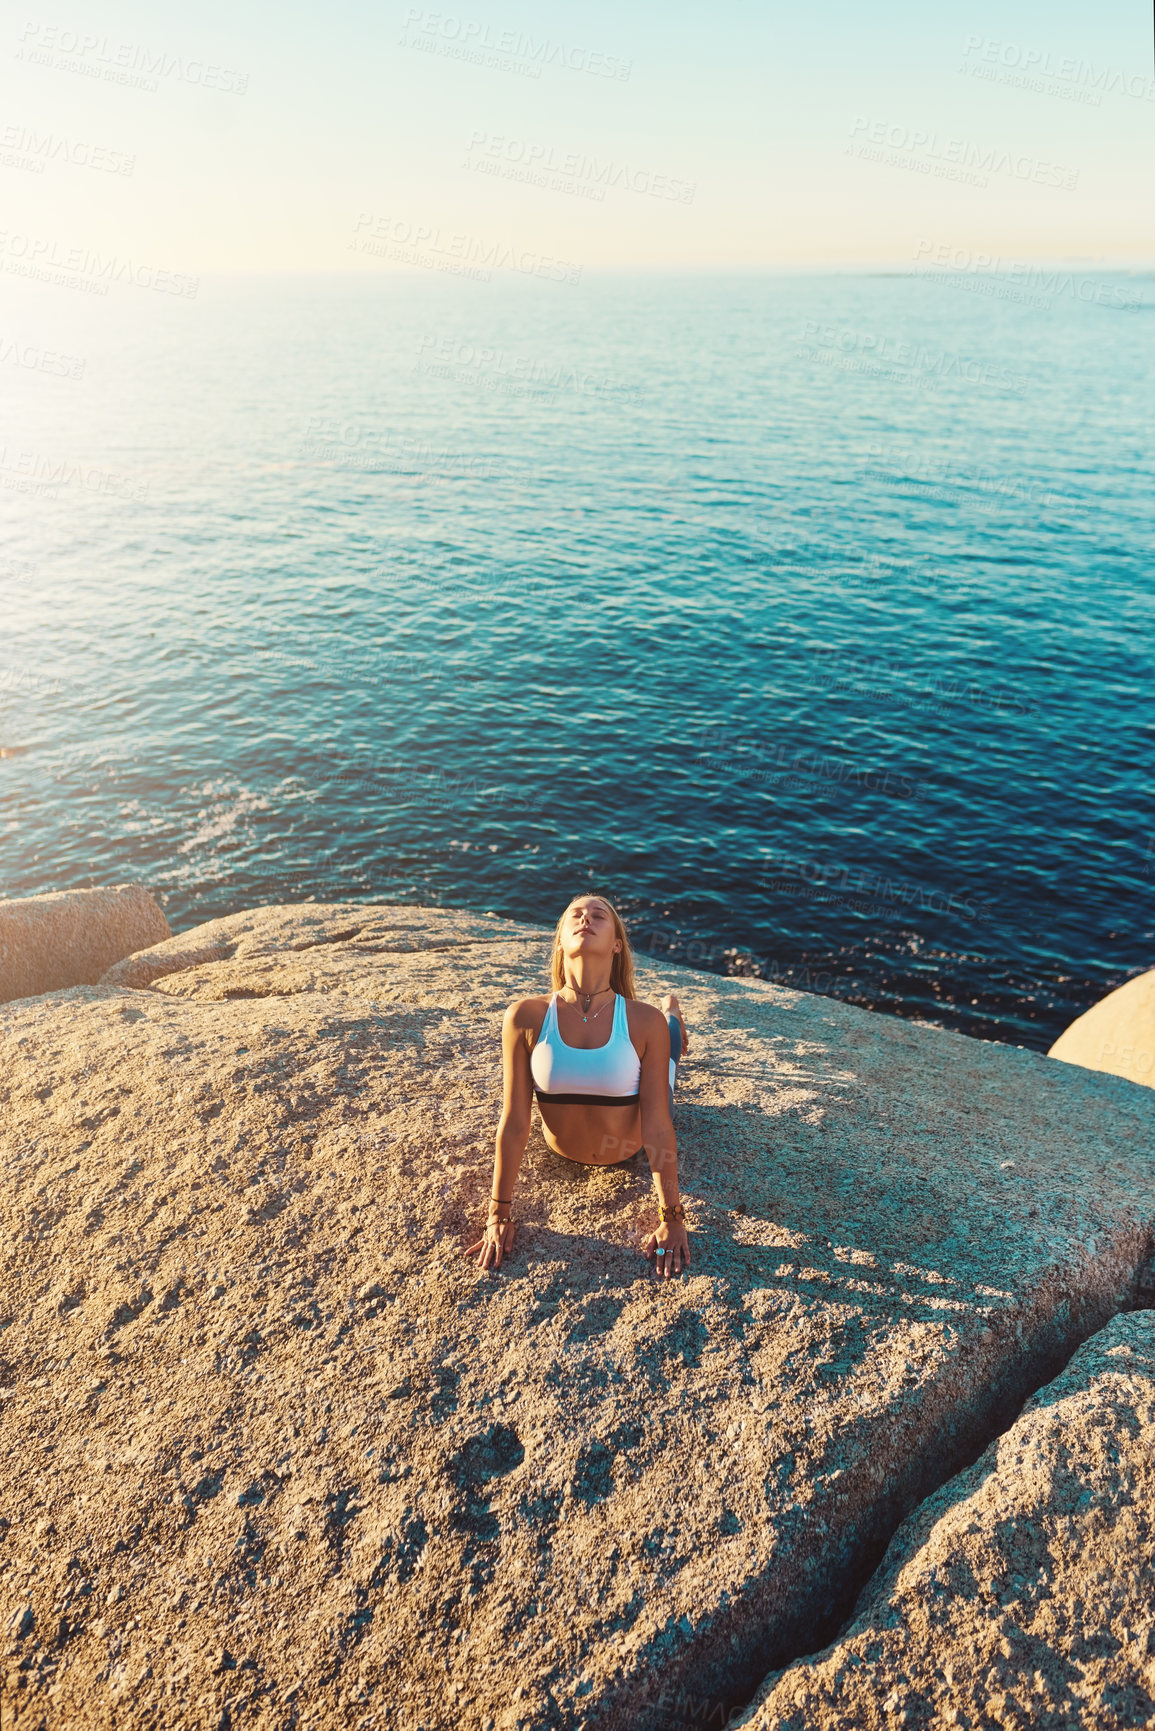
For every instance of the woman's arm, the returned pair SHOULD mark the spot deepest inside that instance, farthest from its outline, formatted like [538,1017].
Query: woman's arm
[668,1247]
[512,1135]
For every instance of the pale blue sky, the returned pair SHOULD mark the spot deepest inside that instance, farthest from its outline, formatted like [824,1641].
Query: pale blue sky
[764,136]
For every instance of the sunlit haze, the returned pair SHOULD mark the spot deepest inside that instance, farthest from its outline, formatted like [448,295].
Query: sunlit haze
[565,139]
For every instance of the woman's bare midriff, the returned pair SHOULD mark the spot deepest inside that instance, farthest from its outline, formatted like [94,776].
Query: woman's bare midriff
[593,1135]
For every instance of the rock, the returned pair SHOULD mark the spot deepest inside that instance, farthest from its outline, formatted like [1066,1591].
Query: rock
[147,966]
[21,1622]
[1021,1593]
[1117,1034]
[629,1499]
[71,937]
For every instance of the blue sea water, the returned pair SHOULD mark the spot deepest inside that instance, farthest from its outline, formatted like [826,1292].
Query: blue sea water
[809,618]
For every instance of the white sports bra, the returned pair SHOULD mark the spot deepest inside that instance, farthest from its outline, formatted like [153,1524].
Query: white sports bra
[566,1075]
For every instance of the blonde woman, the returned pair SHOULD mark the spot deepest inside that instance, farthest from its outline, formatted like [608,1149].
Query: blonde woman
[601,1064]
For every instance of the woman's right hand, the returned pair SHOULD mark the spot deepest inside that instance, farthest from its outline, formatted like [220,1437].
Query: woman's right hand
[495,1242]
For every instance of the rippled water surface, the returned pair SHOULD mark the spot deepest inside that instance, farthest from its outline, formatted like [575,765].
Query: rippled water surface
[810,619]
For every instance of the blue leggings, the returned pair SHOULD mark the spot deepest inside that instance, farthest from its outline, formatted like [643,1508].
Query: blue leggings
[675,1053]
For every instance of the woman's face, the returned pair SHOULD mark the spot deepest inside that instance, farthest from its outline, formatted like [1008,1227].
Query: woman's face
[588,929]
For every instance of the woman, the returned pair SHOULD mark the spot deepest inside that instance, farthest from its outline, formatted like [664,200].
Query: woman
[602,1066]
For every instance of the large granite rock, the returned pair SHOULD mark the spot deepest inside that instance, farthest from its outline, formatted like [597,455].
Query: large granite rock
[1117,1034]
[270,1446]
[1023,1593]
[70,938]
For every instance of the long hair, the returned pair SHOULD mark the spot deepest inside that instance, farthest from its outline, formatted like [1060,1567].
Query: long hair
[622,967]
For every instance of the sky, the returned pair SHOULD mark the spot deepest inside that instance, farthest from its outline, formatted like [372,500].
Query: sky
[832,135]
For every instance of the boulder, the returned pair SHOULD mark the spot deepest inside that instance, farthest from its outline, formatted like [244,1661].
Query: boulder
[272,1451]
[69,938]
[1117,1034]
[1023,1592]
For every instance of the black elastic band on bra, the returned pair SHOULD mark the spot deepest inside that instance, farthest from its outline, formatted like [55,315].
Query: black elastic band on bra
[588,1099]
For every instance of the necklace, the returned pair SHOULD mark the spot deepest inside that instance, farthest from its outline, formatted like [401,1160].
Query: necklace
[589,998]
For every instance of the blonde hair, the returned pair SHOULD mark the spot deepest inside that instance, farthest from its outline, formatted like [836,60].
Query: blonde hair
[622,966]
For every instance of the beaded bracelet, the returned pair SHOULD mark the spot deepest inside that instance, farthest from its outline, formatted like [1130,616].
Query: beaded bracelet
[677,1212]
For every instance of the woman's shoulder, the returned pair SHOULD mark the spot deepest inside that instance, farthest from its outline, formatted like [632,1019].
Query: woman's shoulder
[526,1014]
[644,1018]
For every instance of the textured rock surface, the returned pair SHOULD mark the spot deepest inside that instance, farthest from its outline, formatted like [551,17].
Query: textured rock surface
[1022,1593]
[270,1446]
[71,937]
[1117,1034]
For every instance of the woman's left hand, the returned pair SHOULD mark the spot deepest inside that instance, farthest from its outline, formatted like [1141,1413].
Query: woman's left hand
[668,1249]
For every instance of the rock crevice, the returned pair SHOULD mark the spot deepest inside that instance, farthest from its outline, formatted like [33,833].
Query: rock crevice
[1021,1593]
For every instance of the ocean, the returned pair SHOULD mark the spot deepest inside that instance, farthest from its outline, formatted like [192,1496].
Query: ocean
[808,618]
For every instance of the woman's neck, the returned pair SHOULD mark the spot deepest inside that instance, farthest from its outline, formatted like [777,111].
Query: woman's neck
[586,978]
